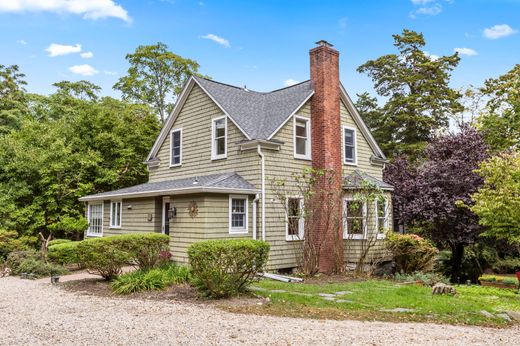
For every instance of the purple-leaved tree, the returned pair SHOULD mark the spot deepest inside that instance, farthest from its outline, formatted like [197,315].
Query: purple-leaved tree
[434,195]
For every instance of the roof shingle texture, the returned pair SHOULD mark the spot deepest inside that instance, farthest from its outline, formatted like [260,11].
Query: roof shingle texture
[355,180]
[258,114]
[229,180]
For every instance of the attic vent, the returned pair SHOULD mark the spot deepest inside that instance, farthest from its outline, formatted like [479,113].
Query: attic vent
[323,43]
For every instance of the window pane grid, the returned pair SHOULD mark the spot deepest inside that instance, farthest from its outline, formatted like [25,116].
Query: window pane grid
[301,137]
[219,136]
[176,147]
[238,213]
[354,218]
[96,218]
[350,145]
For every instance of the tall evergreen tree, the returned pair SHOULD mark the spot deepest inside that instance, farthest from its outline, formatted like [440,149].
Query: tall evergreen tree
[13,101]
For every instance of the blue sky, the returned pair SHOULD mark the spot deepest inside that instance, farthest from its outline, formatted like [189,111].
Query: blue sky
[261,44]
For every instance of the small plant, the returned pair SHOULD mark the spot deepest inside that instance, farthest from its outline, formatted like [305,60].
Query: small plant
[499,279]
[411,253]
[64,253]
[152,279]
[32,262]
[223,268]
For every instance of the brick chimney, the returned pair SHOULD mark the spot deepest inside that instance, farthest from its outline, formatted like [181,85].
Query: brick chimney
[326,141]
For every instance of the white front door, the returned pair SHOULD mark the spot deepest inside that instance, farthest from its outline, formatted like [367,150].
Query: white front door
[165,218]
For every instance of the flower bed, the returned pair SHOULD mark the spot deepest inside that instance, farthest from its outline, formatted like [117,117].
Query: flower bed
[499,281]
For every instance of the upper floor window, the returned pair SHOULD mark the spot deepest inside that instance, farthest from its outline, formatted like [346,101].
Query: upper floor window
[237,214]
[95,219]
[219,138]
[354,226]
[295,220]
[176,148]
[302,138]
[115,214]
[349,143]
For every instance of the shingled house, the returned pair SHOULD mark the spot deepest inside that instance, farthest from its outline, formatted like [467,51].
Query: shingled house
[210,167]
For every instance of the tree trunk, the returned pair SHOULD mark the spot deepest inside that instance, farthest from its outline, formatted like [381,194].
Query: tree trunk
[457,253]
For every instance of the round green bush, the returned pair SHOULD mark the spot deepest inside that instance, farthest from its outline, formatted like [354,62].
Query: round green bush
[64,253]
[223,268]
[59,241]
[411,253]
[102,256]
[144,248]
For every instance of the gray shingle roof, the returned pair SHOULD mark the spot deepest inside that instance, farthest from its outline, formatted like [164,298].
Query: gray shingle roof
[355,180]
[207,183]
[258,114]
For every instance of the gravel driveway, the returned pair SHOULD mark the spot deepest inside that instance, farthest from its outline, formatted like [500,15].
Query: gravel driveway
[35,313]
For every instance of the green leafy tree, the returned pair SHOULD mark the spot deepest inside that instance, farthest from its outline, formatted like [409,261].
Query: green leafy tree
[416,87]
[497,203]
[13,102]
[155,77]
[500,121]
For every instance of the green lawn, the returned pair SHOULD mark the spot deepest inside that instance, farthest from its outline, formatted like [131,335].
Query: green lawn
[367,300]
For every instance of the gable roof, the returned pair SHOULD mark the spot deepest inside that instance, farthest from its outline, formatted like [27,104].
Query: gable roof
[258,115]
[228,182]
[355,180]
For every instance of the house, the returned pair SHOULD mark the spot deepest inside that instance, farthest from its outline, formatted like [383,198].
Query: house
[210,167]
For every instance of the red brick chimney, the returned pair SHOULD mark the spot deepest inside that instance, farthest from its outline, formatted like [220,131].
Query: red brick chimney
[326,142]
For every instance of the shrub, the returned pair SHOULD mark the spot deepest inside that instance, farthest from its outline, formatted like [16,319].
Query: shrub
[428,279]
[64,253]
[411,253]
[103,256]
[9,242]
[152,279]
[223,268]
[145,249]
[507,265]
[59,241]
[32,262]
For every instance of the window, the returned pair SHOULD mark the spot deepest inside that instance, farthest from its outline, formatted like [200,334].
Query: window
[294,228]
[302,138]
[176,148]
[95,220]
[115,214]
[219,139]
[381,216]
[354,219]
[238,214]
[349,143]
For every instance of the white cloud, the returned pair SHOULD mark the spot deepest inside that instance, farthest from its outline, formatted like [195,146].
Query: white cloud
[465,51]
[86,55]
[89,9]
[84,70]
[430,11]
[290,81]
[110,73]
[219,40]
[22,42]
[56,49]
[498,31]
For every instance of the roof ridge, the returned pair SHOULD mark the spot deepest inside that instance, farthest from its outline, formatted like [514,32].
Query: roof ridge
[222,177]
[288,87]
[229,85]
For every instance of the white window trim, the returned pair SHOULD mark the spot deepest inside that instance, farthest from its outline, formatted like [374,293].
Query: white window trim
[89,234]
[308,146]
[345,220]
[120,213]
[387,219]
[214,156]
[171,148]
[345,162]
[244,229]
[301,222]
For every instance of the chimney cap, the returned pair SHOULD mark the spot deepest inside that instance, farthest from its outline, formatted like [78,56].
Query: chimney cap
[323,43]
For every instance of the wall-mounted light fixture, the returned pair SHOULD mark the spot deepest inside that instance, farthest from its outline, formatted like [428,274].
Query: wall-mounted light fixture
[172,212]
[129,207]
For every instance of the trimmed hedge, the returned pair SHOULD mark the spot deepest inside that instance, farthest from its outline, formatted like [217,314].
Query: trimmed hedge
[64,253]
[59,241]
[223,268]
[144,248]
[411,253]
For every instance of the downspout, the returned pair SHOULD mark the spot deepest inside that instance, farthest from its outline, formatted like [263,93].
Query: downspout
[255,207]
[259,150]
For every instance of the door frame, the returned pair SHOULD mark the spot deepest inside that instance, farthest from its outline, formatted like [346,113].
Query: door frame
[163,213]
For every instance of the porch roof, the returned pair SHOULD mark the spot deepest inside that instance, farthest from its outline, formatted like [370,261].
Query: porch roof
[229,182]
[355,181]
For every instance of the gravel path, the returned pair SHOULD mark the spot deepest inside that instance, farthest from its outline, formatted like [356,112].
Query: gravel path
[35,313]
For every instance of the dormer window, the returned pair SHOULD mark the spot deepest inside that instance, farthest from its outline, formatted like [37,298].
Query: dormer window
[219,138]
[176,148]
[302,138]
[350,147]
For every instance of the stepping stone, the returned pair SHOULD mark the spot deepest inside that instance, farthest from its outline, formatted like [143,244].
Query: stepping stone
[253,288]
[515,315]
[302,294]
[398,310]
[344,301]
[329,298]
[504,316]
[326,295]
[486,314]
[278,291]
[342,293]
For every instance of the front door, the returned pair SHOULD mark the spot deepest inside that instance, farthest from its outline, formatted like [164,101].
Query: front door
[165,217]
